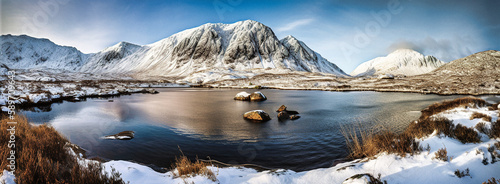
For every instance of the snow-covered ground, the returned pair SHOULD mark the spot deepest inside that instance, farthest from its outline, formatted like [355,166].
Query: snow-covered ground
[419,168]
[43,92]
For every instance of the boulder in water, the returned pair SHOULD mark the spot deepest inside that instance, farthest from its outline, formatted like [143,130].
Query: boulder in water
[257,115]
[257,96]
[243,96]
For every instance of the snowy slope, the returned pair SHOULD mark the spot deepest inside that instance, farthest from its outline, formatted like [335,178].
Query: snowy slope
[108,57]
[307,58]
[400,62]
[24,52]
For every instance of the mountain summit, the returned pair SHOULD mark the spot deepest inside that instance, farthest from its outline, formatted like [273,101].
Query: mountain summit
[241,46]
[400,62]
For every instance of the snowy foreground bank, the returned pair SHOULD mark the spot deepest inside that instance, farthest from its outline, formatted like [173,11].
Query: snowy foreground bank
[480,159]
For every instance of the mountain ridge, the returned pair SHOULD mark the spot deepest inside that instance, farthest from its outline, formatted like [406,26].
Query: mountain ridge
[241,46]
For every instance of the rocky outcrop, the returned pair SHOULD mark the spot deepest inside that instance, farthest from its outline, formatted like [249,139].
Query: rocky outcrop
[257,115]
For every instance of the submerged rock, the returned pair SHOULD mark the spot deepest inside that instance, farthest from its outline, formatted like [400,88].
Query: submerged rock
[125,135]
[294,117]
[257,96]
[258,115]
[243,96]
[283,115]
[153,91]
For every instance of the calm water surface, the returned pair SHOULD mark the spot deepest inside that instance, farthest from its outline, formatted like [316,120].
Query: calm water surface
[208,122]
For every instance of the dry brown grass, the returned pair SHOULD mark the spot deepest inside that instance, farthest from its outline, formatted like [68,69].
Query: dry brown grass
[492,181]
[369,142]
[481,127]
[186,168]
[427,126]
[465,134]
[441,154]
[447,105]
[484,117]
[495,129]
[461,174]
[42,157]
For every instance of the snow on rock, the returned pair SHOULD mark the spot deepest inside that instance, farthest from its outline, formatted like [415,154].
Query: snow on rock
[257,115]
[7,177]
[243,96]
[5,109]
[37,98]
[400,62]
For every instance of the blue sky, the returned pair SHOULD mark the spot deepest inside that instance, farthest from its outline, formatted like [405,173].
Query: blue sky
[345,32]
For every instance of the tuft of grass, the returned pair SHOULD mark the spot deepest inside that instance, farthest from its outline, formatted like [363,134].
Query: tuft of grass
[492,181]
[42,156]
[465,134]
[484,117]
[424,127]
[447,105]
[481,127]
[441,154]
[461,174]
[495,129]
[186,168]
[370,142]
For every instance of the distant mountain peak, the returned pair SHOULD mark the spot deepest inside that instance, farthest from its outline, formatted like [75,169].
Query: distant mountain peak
[399,62]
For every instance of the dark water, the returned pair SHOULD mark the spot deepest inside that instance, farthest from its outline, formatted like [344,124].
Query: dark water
[208,122]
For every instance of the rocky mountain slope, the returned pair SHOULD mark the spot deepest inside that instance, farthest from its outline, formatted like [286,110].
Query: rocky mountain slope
[247,46]
[24,52]
[400,62]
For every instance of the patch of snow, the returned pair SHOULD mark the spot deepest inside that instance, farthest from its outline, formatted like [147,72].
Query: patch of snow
[243,94]
[7,177]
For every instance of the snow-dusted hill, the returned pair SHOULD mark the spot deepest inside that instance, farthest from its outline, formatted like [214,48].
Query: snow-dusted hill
[24,52]
[400,62]
[247,46]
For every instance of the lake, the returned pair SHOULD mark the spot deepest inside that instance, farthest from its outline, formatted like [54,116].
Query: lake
[208,123]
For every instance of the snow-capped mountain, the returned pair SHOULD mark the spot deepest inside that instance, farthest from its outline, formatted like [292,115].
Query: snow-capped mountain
[247,46]
[241,46]
[400,62]
[24,52]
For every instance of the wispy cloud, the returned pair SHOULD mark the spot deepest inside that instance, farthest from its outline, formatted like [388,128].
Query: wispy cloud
[294,24]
